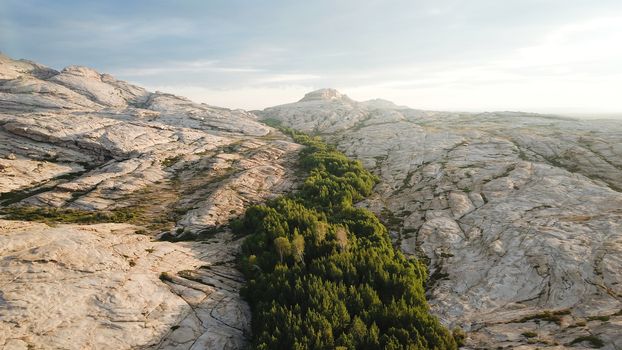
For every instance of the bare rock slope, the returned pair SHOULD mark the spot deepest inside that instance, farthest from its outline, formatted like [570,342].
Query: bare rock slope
[76,141]
[519,215]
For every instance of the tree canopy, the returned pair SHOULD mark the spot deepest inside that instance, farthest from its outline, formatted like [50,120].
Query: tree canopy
[323,274]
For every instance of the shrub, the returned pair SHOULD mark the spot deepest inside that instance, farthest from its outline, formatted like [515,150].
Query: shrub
[594,341]
[166,277]
[599,318]
[549,316]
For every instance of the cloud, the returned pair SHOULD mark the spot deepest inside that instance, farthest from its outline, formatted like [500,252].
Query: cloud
[591,40]
[287,78]
[249,98]
[548,96]
[574,67]
[184,67]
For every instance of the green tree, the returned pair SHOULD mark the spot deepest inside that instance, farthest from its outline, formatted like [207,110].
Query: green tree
[282,246]
[298,247]
[341,235]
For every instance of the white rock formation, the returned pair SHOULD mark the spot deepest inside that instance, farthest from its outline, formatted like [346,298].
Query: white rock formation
[78,139]
[99,287]
[518,214]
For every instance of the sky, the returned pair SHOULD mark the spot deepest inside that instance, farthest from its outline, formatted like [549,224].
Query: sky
[550,56]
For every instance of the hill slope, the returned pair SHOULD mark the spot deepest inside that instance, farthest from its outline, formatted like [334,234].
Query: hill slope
[77,146]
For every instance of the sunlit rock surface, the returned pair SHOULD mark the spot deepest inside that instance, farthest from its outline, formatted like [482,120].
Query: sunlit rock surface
[78,139]
[104,286]
[519,215]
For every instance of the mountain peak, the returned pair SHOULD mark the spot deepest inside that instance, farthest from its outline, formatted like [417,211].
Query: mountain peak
[325,95]
[82,71]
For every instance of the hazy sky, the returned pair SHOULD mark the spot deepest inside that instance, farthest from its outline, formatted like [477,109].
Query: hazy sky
[560,56]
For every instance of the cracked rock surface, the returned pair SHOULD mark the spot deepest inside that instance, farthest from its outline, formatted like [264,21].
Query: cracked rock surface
[84,141]
[519,215]
[104,286]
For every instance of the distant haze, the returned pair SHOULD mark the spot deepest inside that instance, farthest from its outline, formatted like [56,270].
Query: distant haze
[550,56]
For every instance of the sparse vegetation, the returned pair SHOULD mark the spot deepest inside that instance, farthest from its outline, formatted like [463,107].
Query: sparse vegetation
[171,160]
[599,318]
[549,316]
[529,334]
[594,341]
[166,277]
[190,275]
[63,215]
[323,274]
[459,336]
[275,123]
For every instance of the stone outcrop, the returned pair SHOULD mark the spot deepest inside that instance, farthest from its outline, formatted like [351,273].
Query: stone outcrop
[104,286]
[84,141]
[519,215]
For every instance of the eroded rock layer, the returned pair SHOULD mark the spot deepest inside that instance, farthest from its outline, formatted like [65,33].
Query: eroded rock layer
[78,141]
